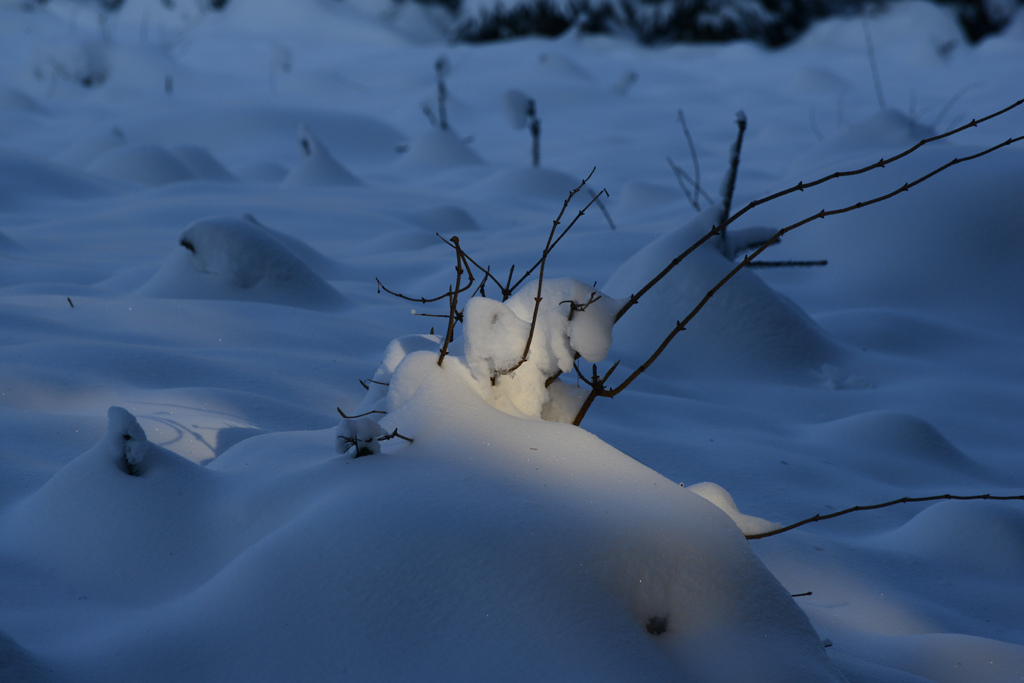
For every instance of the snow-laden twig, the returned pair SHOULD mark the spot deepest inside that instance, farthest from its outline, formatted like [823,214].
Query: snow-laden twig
[861,508]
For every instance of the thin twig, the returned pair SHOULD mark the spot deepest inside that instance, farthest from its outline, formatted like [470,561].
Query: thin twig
[540,281]
[558,220]
[394,435]
[861,508]
[696,163]
[874,63]
[682,177]
[600,205]
[786,264]
[730,179]
[352,417]
[440,69]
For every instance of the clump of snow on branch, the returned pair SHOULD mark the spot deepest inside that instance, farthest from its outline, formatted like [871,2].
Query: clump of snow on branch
[573,320]
[361,434]
[721,498]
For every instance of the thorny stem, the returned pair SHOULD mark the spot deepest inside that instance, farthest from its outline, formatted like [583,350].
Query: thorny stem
[861,508]
[800,187]
[681,325]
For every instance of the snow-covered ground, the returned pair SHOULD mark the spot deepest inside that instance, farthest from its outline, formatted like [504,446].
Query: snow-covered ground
[194,210]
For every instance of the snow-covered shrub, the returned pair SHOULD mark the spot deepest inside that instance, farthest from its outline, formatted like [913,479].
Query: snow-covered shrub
[516,350]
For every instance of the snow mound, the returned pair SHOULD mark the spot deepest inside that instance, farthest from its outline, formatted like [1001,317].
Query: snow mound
[477,527]
[29,178]
[446,220]
[715,494]
[142,163]
[746,328]
[200,163]
[983,537]
[440,149]
[231,258]
[16,100]
[317,167]
[84,152]
[896,448]
[147,163]
[572,532]
[17,663]
[542,184]
[110,535]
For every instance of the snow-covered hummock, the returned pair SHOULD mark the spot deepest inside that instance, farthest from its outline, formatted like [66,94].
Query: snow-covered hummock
[747,328]
[126,439]
[317,167]
[236,258]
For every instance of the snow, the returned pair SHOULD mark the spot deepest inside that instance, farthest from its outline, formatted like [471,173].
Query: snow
[195,205]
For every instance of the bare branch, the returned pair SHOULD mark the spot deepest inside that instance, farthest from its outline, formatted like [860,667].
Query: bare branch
[697,190]
[861,508]
[394,435]
[800,187]
[453,298]
[600,205]
[730,178]
[552,243]
[682,177]
[681,325]
[786,264]
[352,417]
